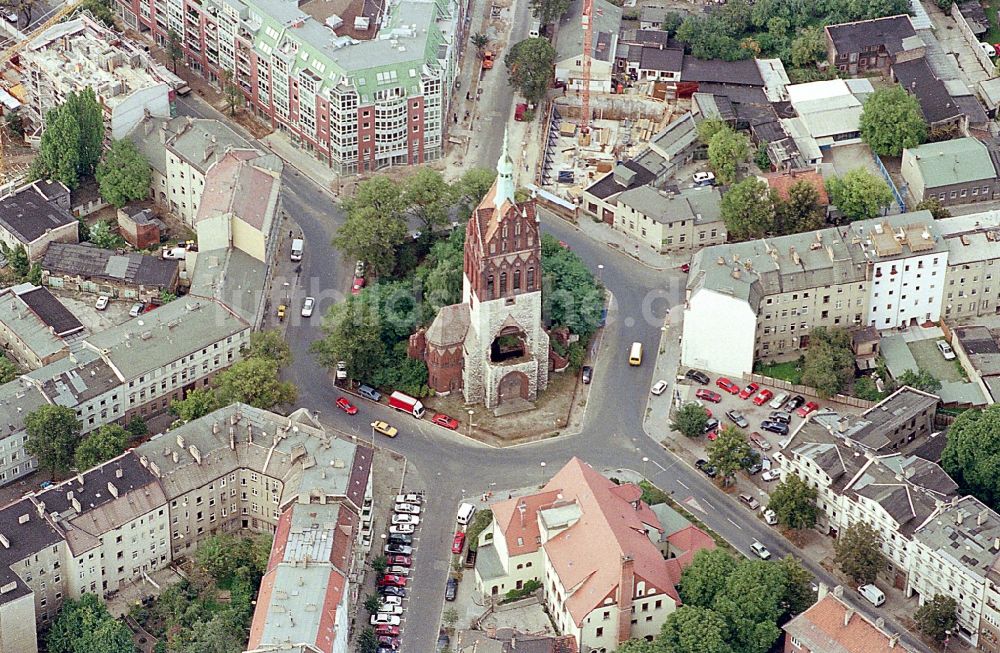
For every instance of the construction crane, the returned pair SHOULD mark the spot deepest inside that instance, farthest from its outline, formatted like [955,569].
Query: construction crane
[12,51]
[588,46]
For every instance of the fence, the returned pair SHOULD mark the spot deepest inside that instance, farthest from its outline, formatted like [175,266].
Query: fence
[963,26]
[806,390]
[900,202]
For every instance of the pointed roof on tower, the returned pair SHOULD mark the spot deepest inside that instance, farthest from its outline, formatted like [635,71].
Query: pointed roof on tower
[505,176]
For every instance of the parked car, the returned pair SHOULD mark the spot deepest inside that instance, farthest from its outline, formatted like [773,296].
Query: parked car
[708,395]
[384,428]
[387,630]
[759,441]
[737,418]
[102,302]
[384,620]
[458,543]
[711,424]
[751,464]
[763,397]
[417,499]
[760,550]
[451,590]
[749,501]
[749,391]
[403,529]
[770,475]
[398,570]
[359,283]
[780,416]
[779,400]
[390,608]
[697,376]
[443,420]
[703,178]
[659,387]
[586,374]
[685,268]
[369,392]
[136,309]
[389,590]
[946,350]
[407,509]
[392,580]
[794,403]
[727,385]
[397,548]
[770,518]
[403,561]
[346,406]
[401,538]
[808,408]
[774,427]
[873,594]
[307,306]
[706,468]
[388,642]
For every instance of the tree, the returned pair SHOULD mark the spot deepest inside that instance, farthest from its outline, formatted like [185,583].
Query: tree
[100,9]
[175,50]
[705,577]
[372,237]
[794,503]
[86,626]
[693,629]
[380,564]
[52,437]
[372,603]
[891,121]
[571,297]
[103,444]
[808,47]
[17,258]
[921,380]
[859,553]
[690,419]
[937,617]
[859,194]
[801,211]
[972,453]
[270,345]
[798,586]
[14,123]
[102,236]
[530,64]
[58,152]
[729,452]
[8,371]
[231,91]
[470,189]
[124,175]
[933,205]
[548,11]
[829,361]
[751,604]
[480,41]
[708,128]
[254,381]
[137,427]
[640,646]
[748,209]
[352,335]
[727,149]
[429,197]
[197,403]
[367,641]
[450,617]
[229,557]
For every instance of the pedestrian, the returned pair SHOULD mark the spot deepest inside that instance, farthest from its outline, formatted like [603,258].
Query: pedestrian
[289,233]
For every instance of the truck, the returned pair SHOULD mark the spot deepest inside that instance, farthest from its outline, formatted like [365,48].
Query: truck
[406,404]
[487,60]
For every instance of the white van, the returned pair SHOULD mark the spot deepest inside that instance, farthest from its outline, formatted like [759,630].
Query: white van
[465,512]
[873,594]
[297,246]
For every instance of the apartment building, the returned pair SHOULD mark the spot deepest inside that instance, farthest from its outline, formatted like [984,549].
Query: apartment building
[358,97]
[871,45]
[18,398]
[887,272]
[35,215]
[36,328]
[671,222]
[84,53]
[115,523]
[958,171]
[596,548]
[972,285]
[833,626]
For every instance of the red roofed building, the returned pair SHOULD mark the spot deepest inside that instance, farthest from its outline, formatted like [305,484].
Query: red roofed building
[832,626]
[598,551]
[782,181]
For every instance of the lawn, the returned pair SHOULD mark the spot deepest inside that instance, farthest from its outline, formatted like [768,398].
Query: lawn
[788,371]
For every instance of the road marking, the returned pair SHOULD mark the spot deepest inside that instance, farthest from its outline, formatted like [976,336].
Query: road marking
[709,504]
[683,484]
[734,523]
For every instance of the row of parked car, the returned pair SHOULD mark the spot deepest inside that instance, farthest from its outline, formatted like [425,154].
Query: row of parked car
[391,585]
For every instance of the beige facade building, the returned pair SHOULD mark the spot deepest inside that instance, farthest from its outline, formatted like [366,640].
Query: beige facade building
[671,222]
[972,280]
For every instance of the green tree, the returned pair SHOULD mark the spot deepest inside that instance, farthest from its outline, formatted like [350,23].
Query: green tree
[17,258]
[35,274]
[254,381]
[708,128]
[175,50]
[808,47]
[571,297]
[197,403]
[372,603]
[690,420]
[972,453]
[548,11]
[762,159]
[801,211]
[428,197]
[441,273]
[749,209]
[794,503]
[727,149]
[728,452]
[798,586]
[892,121]
[751,604]
[124,174]
[480,41]
[270,345]
[102,236]
[859,552]
[706,576]
[231,91]
[351,334]
[8,370]
[15,124]
[98,446]
[86,626]
[101,10]
[367,641]
[693,629]
[530,64]
[450,617]
[380,564]
[137,427]
[58,153]
[470,189]
[921,380]
[865,388]
[859,194]
[227,557]
[933,205]
[53,432]
[640,646]
[375,224]
[829,361]
[937,617]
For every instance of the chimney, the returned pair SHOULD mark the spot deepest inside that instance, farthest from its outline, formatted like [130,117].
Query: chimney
[118,473]
[180,440]
[112,489]
[76,505]
[822,591]
[41,508]
[626,590]
[193,450]
[959,515]
[173,455]
[893,640]
[981,517]
[4,541]
[848,613]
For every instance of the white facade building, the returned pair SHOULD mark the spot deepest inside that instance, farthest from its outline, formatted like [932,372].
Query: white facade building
[910,290]
[713,342]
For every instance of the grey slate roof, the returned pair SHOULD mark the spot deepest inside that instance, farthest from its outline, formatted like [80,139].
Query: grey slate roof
[661,59]
[743,73]
[857,36]
[936,104]
[91,262]
[703,205]
[200,142]
[610,184]
[24,539]
[965,530]
[29,215]
[607,19]
[233,277]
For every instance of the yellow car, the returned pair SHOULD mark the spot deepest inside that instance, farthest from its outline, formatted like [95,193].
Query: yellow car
[281,312]
[385,429]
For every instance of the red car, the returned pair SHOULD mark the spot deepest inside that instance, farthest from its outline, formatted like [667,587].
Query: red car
[359,283]
[808,408]
[749,391]
[392,580]
[685,268]
[458,542]
[712,435]
[727,385]
[387,641]
[708,413]
[402,561]
[763,397]
[386,630]
[346,406]
[708,395]
[443,420]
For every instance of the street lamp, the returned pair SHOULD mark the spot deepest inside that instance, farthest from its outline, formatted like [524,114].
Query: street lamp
[645,459]
[471,425]
[947,636]
[600,272]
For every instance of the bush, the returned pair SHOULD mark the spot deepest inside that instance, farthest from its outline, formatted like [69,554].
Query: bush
[526,590]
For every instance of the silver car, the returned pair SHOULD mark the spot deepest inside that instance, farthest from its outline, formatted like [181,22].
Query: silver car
[307,306]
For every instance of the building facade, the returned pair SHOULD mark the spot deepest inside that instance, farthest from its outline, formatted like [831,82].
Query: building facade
[671,222]
[35,215]
[959,171]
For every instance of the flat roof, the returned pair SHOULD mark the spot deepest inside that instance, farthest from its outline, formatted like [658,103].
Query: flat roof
[29,216]
[49,310]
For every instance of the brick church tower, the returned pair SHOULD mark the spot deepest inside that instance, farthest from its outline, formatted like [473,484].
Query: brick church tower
[495,336]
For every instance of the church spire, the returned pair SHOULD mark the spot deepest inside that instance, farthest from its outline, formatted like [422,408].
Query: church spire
[505,176]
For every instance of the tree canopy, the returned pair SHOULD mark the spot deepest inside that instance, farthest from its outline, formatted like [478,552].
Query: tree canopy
[892,121]
[727,149]
[548,11]
[937,617]
[270,345]
[530,64]
[749,209]
[124,174]
[972,453]
[859,194]
[794,503]
[571,296]
[86,626]
[859,552]
[829,361]
[729,452]
[53,433]
[71,144]
[98,446]
[690,420]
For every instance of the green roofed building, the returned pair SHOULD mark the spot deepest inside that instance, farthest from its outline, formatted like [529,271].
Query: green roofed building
[958,171]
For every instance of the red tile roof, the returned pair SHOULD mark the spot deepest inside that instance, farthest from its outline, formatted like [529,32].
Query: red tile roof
[830,626]
[782,181]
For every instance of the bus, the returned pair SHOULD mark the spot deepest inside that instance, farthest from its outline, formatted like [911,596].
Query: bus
[635,355]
